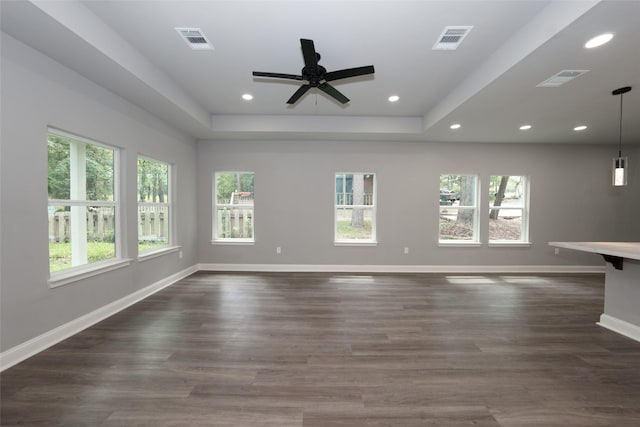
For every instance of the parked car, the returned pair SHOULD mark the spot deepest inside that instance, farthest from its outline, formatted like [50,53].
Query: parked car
[447,197]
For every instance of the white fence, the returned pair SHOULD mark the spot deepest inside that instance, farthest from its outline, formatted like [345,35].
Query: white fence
[100,225]
[235,222]
[153,225]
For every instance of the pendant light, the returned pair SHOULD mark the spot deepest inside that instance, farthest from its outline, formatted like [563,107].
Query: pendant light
[620,164]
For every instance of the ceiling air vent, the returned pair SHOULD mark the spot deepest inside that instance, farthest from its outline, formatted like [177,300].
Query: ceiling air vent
[194,38]
[451,37]
[561,78]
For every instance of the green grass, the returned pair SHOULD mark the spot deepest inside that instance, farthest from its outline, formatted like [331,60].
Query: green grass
[60,253]
[346,231]
[150,245]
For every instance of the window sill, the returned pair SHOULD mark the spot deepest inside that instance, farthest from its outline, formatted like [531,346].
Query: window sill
[154,253]
[355,243]
[85,271]
[233,242]
[507,244]
[458,243]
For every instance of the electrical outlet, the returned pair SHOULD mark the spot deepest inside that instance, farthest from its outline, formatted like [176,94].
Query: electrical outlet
[180,254]
[278,250]
[406,250]
[557,251]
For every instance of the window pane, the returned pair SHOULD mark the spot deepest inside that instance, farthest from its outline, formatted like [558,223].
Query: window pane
[457,224]
[153,181]
[80,235]
[506,210]
[234,198]
[458,188]
[234,223]
[354,189]
[154,204]
[153,227]
[234,188]
[99,173]
[506,191]
[354,223]
[81,172]
[355,204]
[508,226]
[59,167]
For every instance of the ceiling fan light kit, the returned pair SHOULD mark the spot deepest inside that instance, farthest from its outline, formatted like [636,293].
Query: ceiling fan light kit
[316,75]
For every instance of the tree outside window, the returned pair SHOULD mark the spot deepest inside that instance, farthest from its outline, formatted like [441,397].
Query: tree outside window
[154,204]
[355,208]
[458,220]
[233,207]
[508,209]
[82,202]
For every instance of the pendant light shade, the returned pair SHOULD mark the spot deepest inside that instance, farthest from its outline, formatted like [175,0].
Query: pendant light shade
[620,164]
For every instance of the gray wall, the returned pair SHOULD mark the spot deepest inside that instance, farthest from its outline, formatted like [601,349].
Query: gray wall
[38,92]
[571,199]
[571,196]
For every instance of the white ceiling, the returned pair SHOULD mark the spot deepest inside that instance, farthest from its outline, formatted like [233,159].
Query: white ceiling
[488,84]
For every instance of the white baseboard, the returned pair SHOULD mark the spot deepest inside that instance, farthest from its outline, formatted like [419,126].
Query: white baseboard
[338,268]
[35,345]
[620,326]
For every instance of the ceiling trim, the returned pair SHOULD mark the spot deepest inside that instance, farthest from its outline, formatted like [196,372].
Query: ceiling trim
[550,21]
[79,20]
[316,124]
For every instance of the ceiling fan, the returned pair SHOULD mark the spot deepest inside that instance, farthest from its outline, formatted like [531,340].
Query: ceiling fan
[316,75]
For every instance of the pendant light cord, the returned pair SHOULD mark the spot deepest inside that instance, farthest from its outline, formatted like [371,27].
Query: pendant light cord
[620,134]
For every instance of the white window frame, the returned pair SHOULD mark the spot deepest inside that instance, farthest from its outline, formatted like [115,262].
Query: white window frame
[523,208]
[476,214]
[231,240]
[82,271]
[373,207]
[169,205]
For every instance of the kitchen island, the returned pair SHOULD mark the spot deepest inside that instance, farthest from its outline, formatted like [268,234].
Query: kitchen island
[622,283]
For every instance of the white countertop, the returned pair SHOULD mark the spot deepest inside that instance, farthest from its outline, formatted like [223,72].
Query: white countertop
[630,250]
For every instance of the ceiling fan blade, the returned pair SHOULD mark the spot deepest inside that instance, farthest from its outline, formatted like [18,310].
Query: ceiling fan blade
[309,53]
[301,91]
[332,91]
[349,72]
[277,75]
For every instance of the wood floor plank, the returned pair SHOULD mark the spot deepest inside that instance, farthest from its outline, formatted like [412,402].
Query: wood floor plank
[323,350]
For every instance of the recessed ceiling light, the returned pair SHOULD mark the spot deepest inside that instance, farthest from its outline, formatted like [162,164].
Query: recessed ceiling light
[579,128]
[455,126]
[247,97]
[525,127]
[598,40]
[394,98]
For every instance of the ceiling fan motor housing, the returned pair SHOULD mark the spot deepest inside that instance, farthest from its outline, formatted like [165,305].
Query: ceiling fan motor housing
[313,75]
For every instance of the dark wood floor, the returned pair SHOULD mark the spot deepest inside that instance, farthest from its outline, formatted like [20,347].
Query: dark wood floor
[341,350]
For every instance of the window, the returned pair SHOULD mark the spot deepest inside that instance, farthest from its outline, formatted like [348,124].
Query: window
[458,209]
[355,210]
[233,207]
[154,205]
[508,209]
[83,201]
